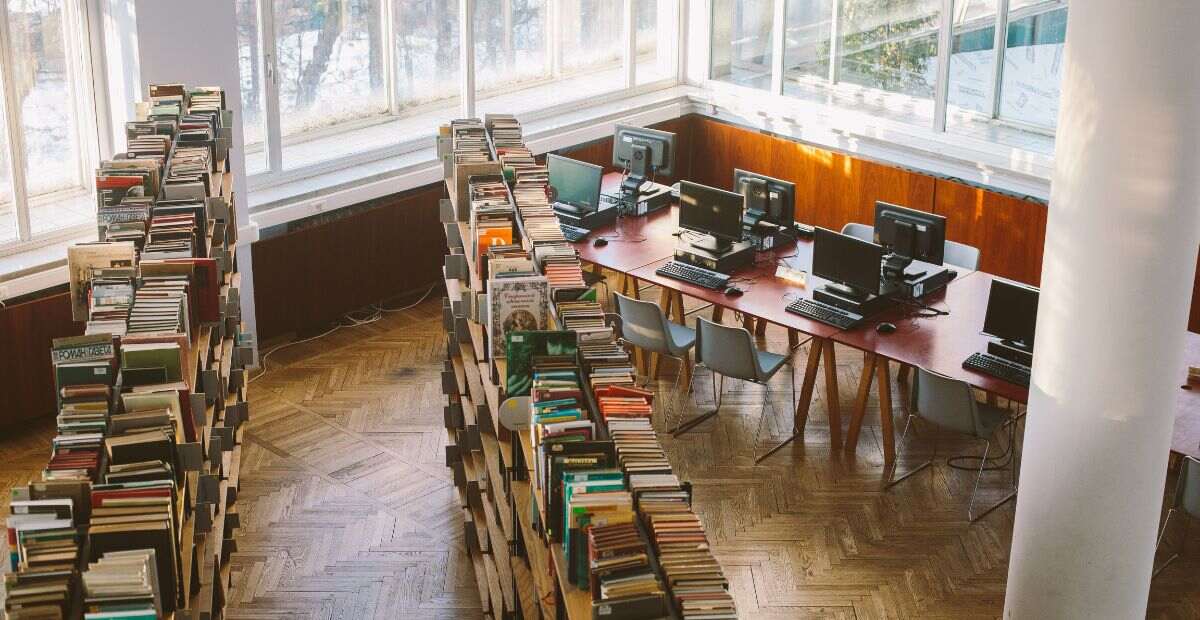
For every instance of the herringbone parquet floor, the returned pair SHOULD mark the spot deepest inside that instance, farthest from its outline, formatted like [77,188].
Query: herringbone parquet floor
[348,512]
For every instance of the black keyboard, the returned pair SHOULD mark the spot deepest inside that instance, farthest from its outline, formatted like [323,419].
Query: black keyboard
[825,313]
[694,275]
[998,367]
[573,233]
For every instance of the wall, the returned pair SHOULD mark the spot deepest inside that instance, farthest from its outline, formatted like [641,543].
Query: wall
[26,331]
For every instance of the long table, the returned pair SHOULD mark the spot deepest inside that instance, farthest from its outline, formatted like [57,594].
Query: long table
[638,246]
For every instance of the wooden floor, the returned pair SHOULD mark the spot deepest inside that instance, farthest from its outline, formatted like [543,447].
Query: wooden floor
[348,511]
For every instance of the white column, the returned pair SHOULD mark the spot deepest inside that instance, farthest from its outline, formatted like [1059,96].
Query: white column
[1121,243]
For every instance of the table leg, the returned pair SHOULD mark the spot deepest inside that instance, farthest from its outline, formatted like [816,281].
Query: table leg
[832,396]
[677,308]
[905,387]
[718,314]
[884,385]
[860,402]
[748,323]
[793,339]
[760,329]
[806,392]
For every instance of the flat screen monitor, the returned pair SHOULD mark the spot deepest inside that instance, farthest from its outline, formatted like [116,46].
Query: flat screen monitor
[574,183]
[847,261]
[644,151]
[774,200]
[711,211]
[1011,313]
[910,233]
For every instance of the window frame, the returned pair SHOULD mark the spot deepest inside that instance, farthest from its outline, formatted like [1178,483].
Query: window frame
[82,36]
[277,174]
[837,88]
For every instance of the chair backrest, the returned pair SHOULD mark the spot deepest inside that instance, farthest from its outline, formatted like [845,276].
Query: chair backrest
[961,255]
[946,402]
[643,324]
[1187,494]
[725,350]
[859,231]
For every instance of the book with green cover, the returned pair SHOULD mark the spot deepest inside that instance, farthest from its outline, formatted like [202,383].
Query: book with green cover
[521,347]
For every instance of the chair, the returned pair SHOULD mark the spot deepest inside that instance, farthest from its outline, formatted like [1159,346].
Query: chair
[644,325]
[1187,499]
[730,352]
[961,255]
[951,405]
[859,231]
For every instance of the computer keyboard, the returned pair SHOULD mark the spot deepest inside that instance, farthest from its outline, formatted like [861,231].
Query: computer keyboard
[573,233]
[693,275]
[825,313]
[998,367]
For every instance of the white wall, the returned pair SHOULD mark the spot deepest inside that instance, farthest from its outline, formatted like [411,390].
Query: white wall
[196,44]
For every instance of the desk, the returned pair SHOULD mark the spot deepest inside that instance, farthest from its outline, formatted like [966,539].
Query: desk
[632,241]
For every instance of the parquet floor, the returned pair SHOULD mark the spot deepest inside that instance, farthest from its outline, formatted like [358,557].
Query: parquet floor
[348,511]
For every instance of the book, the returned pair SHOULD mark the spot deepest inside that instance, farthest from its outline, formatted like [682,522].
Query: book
[516,304]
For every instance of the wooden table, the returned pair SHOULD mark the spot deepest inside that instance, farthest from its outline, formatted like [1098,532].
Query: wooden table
[632,241]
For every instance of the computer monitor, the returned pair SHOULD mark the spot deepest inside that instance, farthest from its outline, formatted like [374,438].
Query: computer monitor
[574,183]
[770,199]
[910,234]
[1012,314]
[851,264]
[713,212]
[643,151]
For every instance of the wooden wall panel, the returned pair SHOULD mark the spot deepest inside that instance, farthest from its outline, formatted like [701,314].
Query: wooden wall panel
[1010,232]
[26,377]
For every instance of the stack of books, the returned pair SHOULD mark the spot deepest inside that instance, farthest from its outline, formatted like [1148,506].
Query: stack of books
[695,578]
[110,301]
[491,214]
[585,318]
[560,263]
[469,141]
[124,585]
[504,129]
[85,373]
[623,580]
[637,446]
[140,515]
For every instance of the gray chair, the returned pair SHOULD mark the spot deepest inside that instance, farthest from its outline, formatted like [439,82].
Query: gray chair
[859,231]
[730,352]
[643,325]
[1187,499]
[950,404]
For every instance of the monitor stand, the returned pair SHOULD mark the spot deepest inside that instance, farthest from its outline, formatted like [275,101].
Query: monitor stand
[894,266]
[710,243]
[1015,352]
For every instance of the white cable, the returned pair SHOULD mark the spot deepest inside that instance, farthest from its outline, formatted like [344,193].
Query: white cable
[412,305]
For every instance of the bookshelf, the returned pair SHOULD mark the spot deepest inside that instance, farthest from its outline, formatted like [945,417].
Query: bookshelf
[520,572]
[212,391]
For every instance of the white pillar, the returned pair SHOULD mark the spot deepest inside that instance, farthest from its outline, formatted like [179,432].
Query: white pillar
[1121,243]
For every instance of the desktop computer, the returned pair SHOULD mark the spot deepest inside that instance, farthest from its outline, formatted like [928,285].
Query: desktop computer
[713,220]
[770,209]
[915,241]
[854,291]
[1011,319]
[644,153]
[575,193]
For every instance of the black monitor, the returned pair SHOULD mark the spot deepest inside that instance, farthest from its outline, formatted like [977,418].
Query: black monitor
[643,151]
[770,199]
[574,183]
[850,263]
[712,212]
[1012,313]
[910,234]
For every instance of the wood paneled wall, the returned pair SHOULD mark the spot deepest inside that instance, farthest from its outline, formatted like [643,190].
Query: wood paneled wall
[26,377]
[305,279]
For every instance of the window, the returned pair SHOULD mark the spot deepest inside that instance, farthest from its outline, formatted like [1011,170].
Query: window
[973,56]
[48,136]
[806,47]
[327,83]
[1033,62]
[890,45]
[742,49]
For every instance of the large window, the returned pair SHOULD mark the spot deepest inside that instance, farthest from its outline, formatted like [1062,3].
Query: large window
[1001,65]
[48,138]
[331,82]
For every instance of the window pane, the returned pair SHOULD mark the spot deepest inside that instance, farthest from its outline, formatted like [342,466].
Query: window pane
[43,64]
[510,46]
[973,56]
[330,55]
[1033,62]
[250,58]
[657,25]
[741,42]
[593,40]
[890,45]
[8,216]
[807,32]
[427,51]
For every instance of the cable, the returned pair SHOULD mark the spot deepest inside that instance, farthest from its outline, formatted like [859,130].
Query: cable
[410,306]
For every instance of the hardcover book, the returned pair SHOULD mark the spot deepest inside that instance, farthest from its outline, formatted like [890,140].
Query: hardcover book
[516,304]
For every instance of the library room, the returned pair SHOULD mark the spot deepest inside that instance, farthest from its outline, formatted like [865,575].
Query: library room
[599,309]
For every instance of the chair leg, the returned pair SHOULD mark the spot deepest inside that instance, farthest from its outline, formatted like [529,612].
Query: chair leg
[762,417]
[690,424]
[1012,445]
[889,479]
[792,404]
[1161,535]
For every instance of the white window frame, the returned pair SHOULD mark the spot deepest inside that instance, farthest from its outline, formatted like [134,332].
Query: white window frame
[93,127]
[834,85]
[276,174]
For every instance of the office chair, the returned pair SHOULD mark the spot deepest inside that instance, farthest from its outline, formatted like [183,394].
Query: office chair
[730,352]
[859,231]
[643,325]
[1187,499]
[950,404]
[961,255]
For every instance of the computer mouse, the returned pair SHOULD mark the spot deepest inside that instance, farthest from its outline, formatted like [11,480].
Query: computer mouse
[885,328]
[733,291]
[599,242]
